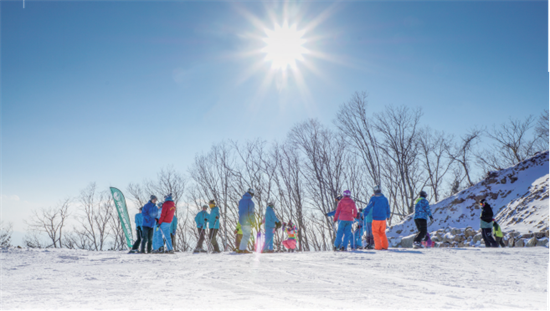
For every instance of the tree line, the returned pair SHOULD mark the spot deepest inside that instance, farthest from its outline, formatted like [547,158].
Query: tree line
[303,174]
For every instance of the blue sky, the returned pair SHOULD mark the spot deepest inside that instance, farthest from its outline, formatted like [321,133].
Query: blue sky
[112,92]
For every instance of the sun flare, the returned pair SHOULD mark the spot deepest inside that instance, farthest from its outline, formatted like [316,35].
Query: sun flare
[284,46]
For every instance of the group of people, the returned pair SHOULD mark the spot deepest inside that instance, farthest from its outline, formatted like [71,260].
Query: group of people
[157,225]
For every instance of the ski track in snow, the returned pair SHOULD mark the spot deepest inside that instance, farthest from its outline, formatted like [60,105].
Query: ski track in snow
[406,279]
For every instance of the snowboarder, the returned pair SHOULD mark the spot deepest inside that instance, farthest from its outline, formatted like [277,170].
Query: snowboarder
[497,232]
[202,222]
[214,224]
[345,215]
[368,229]
[291,231]
[486,224]
[173,228]
[238,236]
[246,219]
[271,223]
[139,223]
[421,213]
[165,221]
[149,212]
[380,207]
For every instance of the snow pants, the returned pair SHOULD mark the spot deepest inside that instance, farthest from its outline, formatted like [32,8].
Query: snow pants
[290,243]
[202,233]
[379,233]
[358,238]
[268,243]
[499,242]
[422,226]
[238,238]
[165,228]
[158,241]
[368,230]
[487,235]
[138,241]
[173,237]
[147,238]
[246,236]
[213,241]
[344,231]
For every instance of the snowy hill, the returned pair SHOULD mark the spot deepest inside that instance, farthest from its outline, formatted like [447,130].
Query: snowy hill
[518,196]
[396,279]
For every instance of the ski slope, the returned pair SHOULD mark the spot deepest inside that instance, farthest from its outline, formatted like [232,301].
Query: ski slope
[434,279]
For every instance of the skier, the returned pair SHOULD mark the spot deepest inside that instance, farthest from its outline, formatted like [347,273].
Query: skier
[345,215]
[421,213]
[158,241]
[291,231]
[139,224]
[238,236]
[368,229]
[165,221]
[271,223]
[202,222]
[486,223]
[246,219]
[214,224]
[358,233]
[380,207]
[498,234]
[173,228]
[149,212]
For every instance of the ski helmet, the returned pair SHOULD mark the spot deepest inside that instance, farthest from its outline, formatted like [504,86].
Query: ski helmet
[204,206]
[339,198]
[347,193]
[212,203]
[423,194]
[250,191]
[377,189]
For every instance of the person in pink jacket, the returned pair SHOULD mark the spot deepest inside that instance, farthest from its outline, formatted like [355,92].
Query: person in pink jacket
[345,214]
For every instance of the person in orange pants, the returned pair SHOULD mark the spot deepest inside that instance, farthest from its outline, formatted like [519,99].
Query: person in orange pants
[380,207]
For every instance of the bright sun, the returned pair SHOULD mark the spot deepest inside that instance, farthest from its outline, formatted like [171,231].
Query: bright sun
[284,46]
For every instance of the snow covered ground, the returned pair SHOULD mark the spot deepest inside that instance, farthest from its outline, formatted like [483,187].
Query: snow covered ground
[406,279]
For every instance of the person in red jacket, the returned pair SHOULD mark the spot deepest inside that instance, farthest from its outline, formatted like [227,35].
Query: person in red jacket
[165,220]
[345,214]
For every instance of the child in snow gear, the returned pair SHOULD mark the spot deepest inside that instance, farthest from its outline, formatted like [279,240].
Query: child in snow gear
[214,224]
[368,229]
[428,242]
[291,231]
[270,224]
[165,221]
[202,222]
[345,215]
[498,234]
[139,223]
[238,236]
[380,207]
[486,224]
[149,212]
[246,219]
[358,232]
[158,238]
[421,213]
[173,228]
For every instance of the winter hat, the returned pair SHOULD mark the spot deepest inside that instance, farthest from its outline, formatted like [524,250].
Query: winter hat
[423,194]
[204,207]
[347,193]
[271,204]
[212,203]
[377,189]
[250,191]
[482,201]
[153,198]
[168,197]
[339,198]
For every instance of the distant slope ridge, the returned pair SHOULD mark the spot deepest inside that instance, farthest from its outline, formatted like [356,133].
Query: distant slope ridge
[518,196]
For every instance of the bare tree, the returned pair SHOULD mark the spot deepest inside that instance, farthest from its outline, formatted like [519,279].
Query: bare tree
[542,131]
[6,230]
[49,221]
[432,148]
[463,152]
[94,218]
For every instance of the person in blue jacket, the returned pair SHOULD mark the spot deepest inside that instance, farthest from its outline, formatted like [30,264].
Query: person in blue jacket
[173,228]
[359,230]
[214,224]
[246,218]
[139,223]
[149,212]
[202,225]
[368,229]
[380,207]
[271,224]
[421,213]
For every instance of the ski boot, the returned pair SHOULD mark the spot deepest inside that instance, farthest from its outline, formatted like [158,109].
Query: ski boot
[417,245]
